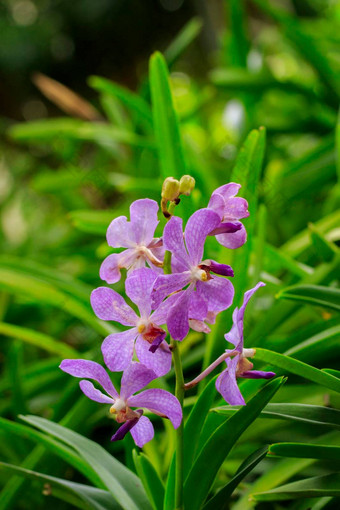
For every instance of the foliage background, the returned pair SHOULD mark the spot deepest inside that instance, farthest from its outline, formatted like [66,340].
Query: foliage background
[65,173]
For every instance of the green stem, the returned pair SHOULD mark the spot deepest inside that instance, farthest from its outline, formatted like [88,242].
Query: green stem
[179,392]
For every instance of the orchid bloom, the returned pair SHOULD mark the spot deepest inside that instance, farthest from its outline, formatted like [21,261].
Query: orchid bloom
[209,292]
[134,378]
[230,209]
[239,365]
[136,236]
[145,335]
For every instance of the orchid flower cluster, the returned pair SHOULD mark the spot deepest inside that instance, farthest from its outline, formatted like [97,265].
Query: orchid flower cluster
[170,298]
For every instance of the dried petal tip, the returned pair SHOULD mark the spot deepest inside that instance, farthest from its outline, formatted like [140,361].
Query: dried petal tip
[186,185]
[170,189]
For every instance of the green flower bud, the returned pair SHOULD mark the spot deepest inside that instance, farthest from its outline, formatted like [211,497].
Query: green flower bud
[186,185]
[170,189]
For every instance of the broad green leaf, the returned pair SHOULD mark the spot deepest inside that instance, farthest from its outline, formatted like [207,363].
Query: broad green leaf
[305,451]
[318,347]
[79,495]
[183,39]
[325,249]
[316,487]
[218,446]
[135,103]
[153,485]
[288,364]
[328,297]
[124,485]
[306,413]
[221,499]
[166,125]
[38,339]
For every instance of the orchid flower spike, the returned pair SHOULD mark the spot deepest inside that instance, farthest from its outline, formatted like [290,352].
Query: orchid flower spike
[145,334]
[136,236]
[205,292]
[134,378]
[231,233]
[239,366]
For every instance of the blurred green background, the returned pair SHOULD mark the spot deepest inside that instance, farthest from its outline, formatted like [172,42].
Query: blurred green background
[69,164]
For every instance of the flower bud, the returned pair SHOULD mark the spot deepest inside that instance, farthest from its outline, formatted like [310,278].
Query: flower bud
[170,189]
[186,185]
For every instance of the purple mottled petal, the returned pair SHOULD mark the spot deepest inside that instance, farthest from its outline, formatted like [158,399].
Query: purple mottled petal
[157,342]
[138,287]
[222,269]
[86,369]
[236,208]
[199,326]
[143,431]
[226,228]
[167,284]
[228,190]
[247,296]
[159,361]
[118,234]
[159,401]
[108,305]
[91,392]
[233,241]
[198,306]
[134,378]
[257,374]
[199,225]
[144,220]
[226,384]
[111,266]
[117,349]
[218,292]
[124,429]
[216,203]
[234,336]
[159,316]
[174,242]
[178,316]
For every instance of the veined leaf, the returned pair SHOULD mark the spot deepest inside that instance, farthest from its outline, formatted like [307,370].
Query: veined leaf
[328,297]
[122,483]
[80,495]
[306,413]
[315,487]
[305,451]
[294,366]
[166,125]
[217,447]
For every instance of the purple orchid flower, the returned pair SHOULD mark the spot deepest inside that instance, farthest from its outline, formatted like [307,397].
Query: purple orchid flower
[208,292]
[239,365]
[134,378]
[145,335]
[135,235]
[230,233]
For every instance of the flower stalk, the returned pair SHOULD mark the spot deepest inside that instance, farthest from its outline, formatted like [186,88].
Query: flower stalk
[209,369]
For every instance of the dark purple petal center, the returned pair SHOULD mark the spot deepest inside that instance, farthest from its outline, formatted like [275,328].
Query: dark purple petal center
[126,427]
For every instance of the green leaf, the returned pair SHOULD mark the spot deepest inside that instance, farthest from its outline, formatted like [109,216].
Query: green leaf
[306,413]
[80,495]
[328,297]
[325,249]
[294,366]
[315,487]
[183,39]
[218,446]
[93,222]
[153,485]
[305,451]
[166,125]
[38,339]
[221,499]
[124,485]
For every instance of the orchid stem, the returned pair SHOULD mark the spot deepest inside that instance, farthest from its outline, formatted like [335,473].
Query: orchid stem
[179,392]
[209,369]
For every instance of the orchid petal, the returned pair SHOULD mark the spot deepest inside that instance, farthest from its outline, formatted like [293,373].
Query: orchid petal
[216,203]
[218,292]
[236,208]
[226,384]
[108,305]
[143,431]
[117,349]
[159,401]
[234,240]
[158,361]
[138,287]
[118,234]
[174,242]
[199,225]
[144,220]
[134,378]
[86,369]
[228,190]
[178,316]
[167,284]
[92,393]
[111,266]
[124,429]
[198,306]
[257,374]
